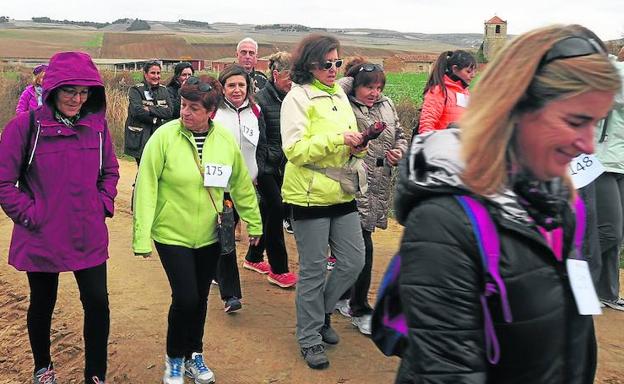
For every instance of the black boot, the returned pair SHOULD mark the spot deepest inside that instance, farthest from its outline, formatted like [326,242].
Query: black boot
[327,332]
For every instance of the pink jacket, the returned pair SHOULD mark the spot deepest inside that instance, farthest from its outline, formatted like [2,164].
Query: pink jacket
[28,100]
[437,111]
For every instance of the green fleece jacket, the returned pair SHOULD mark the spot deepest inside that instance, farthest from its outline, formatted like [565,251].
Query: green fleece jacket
[313,121]
[171,204]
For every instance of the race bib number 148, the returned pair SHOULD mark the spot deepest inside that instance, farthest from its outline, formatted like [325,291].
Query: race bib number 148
[584,169]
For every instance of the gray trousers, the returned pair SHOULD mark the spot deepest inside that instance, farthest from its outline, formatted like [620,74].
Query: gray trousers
[591,241]
[610,213]
[317,294]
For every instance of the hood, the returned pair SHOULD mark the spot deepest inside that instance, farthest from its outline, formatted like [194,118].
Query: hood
[74,68]
[433,167]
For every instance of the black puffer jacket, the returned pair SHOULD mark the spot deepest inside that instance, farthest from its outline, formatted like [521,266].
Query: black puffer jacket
[442,278]
[270,101]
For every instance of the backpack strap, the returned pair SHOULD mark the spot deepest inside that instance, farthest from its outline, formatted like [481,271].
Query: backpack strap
[489,248]
[29,153]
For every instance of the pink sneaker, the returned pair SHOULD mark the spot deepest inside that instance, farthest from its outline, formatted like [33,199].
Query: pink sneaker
[260,267]
[331,263]
[284,280]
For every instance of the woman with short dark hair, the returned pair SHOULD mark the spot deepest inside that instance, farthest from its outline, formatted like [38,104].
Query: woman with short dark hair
[177,203]
[320,138]
[181,72]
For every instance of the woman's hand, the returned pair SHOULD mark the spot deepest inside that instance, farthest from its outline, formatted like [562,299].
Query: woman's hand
[393,156]
[352,139]
[254,240]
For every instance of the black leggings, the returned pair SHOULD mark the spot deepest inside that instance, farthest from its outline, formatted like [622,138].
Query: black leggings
[358,294]
[190,272]
[272,211]
[94,298]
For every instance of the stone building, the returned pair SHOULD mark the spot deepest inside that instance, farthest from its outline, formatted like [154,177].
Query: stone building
[495,37]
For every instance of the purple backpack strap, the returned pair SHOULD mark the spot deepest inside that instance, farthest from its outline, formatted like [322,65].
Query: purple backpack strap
[579,230]
[489,248]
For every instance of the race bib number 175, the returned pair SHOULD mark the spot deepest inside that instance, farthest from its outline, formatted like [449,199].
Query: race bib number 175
[217,175]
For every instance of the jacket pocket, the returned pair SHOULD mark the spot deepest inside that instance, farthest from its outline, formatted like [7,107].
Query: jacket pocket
[133,137]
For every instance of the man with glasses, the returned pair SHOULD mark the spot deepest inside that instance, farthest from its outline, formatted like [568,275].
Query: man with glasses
[247,56]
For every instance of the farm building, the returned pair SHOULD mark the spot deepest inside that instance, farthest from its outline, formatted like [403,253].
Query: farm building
[219,65]
[137,64]
[410,63]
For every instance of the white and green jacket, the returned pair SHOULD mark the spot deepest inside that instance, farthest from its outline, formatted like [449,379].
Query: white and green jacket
[313,120]
[171,204]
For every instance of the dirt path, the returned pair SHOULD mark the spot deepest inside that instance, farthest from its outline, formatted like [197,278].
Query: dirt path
[256,345]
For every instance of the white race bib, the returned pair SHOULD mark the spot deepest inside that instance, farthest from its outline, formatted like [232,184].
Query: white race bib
[584,169]
[252,134]
[217,175]
[462,100]
[583,287]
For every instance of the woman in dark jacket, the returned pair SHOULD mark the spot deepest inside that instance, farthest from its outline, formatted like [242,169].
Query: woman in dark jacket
[149,107]
[270,176]
[181,72]
[517,137]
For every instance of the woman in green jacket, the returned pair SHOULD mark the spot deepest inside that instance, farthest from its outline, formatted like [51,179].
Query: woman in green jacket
[319,132]
[185,168]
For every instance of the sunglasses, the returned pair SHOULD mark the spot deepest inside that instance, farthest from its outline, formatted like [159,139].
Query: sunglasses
[194,80]
[326,66]
[370,68]
[574,46]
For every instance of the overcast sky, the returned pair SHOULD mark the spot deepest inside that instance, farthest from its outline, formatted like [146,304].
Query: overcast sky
[605,17]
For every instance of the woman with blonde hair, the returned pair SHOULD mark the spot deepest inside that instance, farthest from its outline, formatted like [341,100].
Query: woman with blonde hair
[511,155]
[32,97]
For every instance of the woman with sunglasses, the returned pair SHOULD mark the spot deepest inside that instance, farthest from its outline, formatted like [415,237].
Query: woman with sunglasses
[181,72]
[186,167]
[58,181]
[319,133]
[446,94]
[511,154]
[364,83]
[242,117]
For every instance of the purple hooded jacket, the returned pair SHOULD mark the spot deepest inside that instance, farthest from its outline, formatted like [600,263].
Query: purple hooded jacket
[28,100]
[67,191]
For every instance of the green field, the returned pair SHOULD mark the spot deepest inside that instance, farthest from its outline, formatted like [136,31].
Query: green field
[402,86]
[95,41]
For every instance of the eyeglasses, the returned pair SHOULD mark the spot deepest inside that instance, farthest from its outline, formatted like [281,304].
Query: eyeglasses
[370,68]
[194,80]
[70,93]
[326,66]
[573,46]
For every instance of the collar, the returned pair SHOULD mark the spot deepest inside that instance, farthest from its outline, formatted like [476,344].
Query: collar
[325,88]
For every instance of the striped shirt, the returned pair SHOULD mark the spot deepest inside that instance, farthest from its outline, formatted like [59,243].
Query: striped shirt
[199,141]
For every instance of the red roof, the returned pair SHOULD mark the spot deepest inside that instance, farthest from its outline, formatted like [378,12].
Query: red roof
[496,20]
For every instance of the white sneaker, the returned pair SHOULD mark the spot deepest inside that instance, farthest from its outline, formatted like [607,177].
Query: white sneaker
[173,370]
[343,307]
[196,369]
[618,304]
[363,323]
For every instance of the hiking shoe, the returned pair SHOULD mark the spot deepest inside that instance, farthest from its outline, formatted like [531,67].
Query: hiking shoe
[315,356]
[45,376]
[284,280]
[331,263]
[287,226]
[173,370]
[232,304]
[363,323]
[618,304]
[196,369]
[260,267]
[343,307]
[96,380]
[327,332]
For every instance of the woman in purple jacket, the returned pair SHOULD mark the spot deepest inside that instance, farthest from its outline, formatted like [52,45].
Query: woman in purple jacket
[58,178]
[32,97]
